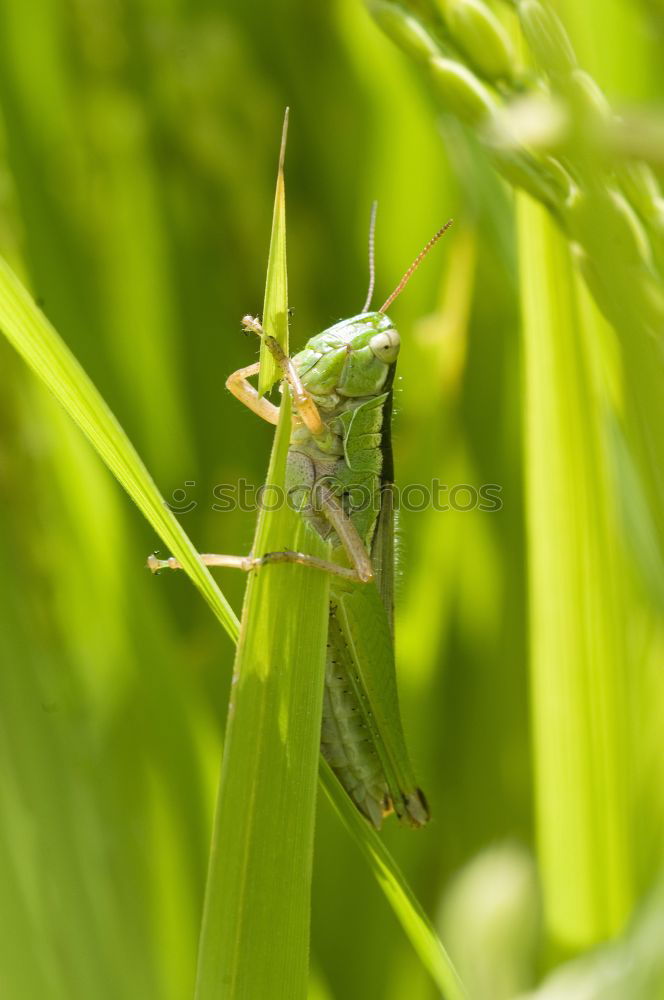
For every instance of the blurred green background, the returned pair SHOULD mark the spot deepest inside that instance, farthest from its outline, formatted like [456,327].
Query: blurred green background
[138,148]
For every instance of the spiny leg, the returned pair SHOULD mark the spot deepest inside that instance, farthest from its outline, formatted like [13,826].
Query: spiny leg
[247,563]
[304,404]
[243,390]
[247,394]
[348,535]
[360,572]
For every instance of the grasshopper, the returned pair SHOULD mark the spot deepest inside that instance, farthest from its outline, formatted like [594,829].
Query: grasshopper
[342,389]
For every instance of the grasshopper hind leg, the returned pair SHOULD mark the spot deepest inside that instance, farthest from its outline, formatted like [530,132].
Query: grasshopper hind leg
[342,737]
[353,738]
[346,742]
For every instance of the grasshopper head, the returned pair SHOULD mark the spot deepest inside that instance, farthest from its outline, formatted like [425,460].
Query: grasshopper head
[352,358]
[355,357]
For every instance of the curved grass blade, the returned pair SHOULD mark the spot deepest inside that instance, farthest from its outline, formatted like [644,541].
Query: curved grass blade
[28,330]
[411,916]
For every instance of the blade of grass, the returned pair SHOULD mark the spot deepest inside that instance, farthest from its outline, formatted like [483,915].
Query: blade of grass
[577,606]
[414,921]
[275,305]
[28,330]
[255,934]
[38,343]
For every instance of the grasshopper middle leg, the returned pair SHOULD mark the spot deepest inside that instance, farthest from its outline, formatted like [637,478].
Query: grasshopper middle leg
[360,571]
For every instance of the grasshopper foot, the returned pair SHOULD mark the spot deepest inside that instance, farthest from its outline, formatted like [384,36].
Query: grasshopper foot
[155,565]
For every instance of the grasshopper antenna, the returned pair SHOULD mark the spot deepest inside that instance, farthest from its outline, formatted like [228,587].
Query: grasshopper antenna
[372,256]
[414,266]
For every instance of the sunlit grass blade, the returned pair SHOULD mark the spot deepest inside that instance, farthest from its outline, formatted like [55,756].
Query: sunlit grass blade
[275,305]
[414,921]
[255,935]
[577,605]
[35,339]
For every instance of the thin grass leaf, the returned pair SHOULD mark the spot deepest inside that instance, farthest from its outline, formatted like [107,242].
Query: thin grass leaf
[414,921]
[255,934]
[275,305]
[35,339]
[577,606]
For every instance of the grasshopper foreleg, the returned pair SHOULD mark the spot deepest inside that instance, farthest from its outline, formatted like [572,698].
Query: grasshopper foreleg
[245,392]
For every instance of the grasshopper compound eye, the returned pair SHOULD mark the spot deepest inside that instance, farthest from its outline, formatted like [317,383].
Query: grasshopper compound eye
[386,346]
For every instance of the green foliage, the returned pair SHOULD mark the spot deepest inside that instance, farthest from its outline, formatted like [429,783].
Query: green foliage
[275,304]
[137,153]
[256,890]
[578,662]
[36,340]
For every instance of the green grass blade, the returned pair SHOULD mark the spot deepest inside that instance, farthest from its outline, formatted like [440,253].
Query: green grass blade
[577,605]
[255,934]
[275,305]
[36,340]
[411,916]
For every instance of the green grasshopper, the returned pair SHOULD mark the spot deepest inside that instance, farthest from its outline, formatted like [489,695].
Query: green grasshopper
[342,389]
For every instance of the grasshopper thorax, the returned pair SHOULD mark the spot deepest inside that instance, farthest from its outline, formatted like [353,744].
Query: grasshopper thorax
[353,358]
